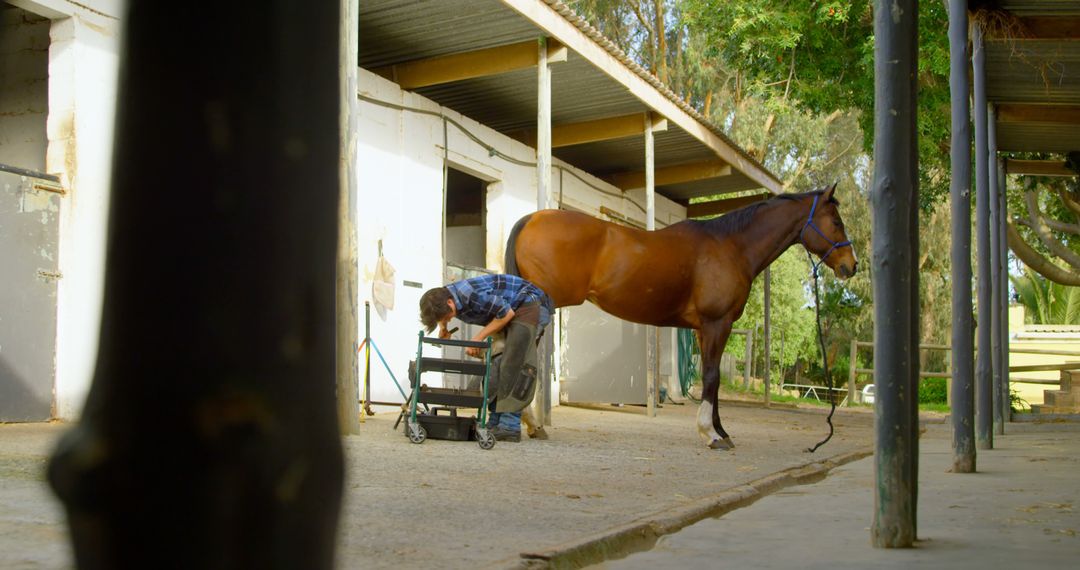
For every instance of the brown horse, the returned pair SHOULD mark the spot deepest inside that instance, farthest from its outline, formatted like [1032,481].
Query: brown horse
[694,274]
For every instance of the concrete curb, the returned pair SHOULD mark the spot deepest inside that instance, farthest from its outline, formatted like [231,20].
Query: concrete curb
[642,534]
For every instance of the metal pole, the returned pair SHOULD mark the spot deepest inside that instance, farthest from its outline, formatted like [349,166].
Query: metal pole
[652,338]
[1003,297]
[995,270]
[984,402]
[767,331]
[895,200]
[961,391]
[236,371]
[366,407]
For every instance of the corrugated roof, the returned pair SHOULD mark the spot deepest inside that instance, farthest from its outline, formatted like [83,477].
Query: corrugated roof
[1025,71]
[398,31]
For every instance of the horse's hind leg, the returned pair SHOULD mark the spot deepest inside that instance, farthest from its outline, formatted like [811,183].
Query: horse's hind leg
[713,337]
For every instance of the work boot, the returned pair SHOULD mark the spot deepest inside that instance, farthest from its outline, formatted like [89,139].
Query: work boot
[505,434]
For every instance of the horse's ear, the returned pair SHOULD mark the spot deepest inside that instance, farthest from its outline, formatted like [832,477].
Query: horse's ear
[828,193]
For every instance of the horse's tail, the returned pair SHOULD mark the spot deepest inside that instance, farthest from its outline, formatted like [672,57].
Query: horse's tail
[510,259]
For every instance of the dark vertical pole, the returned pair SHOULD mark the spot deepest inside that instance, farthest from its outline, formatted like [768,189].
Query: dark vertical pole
[210,435]
[913,260]
[962,391]
[768,334]
[984,409]
[1003,298]
[995,269]
[895,199]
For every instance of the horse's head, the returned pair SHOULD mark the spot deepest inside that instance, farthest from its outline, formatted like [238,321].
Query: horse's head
[823,234]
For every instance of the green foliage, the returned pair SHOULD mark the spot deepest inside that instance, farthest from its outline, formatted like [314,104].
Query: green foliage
[821,55]
[1017,403]
[933,391]
[792,83]
[1046,302]
[792,319]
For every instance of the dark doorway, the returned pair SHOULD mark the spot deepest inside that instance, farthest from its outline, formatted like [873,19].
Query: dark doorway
[465,218]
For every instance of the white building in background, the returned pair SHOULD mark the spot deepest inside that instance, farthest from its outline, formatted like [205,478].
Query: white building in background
[57,100]
[400,171]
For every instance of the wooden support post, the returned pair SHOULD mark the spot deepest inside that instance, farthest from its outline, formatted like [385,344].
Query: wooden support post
[852,366]
[767,332]
[996,235]
[749,356]
[543,127]
[348,357]
[543,198]
[1003,297]
[961,390]
[209,438]
[984,402]
[895,203]
[652,338]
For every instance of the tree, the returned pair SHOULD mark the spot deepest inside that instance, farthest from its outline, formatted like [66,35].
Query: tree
[1047,302]
[1049,231]
[820,56]
[804,118]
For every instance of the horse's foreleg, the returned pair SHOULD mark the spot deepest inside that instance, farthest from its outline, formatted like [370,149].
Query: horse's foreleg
[713,339]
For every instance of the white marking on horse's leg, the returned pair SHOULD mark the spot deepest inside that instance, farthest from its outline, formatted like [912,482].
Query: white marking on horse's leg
[705,423]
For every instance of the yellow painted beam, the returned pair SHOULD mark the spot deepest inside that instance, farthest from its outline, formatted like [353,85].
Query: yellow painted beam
[702,209]
[569,134]
[1037,167]
[469,65]
[673,174]
[1051,28]
[1035,113]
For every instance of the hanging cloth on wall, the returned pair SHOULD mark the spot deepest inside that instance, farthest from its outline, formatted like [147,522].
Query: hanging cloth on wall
[382,288]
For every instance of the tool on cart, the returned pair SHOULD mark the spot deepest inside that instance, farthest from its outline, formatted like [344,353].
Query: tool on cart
[421,425]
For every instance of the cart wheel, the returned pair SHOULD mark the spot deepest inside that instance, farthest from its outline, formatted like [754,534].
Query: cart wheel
[417,433]
[486,439]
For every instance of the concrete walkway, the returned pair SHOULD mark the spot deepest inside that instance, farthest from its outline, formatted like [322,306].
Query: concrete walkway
[1021,510]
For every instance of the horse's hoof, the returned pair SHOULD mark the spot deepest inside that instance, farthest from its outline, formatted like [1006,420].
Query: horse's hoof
[721,444]
[730,444]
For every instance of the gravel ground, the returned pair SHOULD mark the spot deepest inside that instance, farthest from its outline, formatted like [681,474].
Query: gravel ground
[453,505]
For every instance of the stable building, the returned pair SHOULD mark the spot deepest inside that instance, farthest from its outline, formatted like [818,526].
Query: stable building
[473,113]
[468,114]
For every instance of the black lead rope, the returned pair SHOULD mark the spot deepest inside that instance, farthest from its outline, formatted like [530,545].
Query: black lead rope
[824,357]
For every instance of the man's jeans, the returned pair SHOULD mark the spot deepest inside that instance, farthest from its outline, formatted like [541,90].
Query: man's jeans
[505,420]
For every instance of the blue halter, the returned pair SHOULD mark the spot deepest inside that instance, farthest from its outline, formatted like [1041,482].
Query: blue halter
[810,224]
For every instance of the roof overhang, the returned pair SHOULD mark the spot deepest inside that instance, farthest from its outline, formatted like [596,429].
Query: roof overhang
[478,58]
[1033,76]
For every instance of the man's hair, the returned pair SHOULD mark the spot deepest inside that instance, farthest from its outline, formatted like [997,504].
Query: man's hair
[433,307]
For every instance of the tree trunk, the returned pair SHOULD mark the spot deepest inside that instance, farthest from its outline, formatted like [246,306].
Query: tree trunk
[661,43]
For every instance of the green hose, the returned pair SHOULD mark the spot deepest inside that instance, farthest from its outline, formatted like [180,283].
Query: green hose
[688,372]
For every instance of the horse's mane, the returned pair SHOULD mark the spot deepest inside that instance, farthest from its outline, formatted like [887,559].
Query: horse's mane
[736,221]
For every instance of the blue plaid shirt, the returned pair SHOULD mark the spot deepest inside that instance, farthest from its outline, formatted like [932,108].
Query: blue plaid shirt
[482,299]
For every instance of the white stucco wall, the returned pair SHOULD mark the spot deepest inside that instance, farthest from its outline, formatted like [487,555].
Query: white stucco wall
[399,166]
[24,88]
[82,69]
